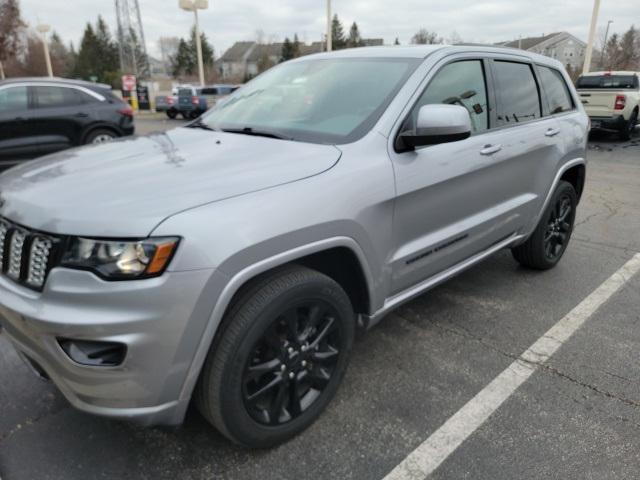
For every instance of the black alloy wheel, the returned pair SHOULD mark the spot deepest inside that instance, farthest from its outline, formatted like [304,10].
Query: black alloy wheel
[292,363]
[281,354]
[556,237]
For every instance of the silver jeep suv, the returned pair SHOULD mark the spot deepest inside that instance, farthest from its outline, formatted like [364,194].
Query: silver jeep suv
[231,261]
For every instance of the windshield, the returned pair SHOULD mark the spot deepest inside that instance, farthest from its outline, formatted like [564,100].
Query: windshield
[608,81]
[321,101]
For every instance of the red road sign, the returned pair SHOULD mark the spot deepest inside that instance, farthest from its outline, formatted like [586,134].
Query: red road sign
[128,82]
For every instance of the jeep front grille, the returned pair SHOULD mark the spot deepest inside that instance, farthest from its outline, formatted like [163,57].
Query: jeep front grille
[25,255]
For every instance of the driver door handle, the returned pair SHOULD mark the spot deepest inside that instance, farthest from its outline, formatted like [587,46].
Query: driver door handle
[552,132]
[82,114]
[490,149]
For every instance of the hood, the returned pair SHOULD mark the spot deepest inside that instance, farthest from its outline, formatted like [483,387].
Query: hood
[127,187]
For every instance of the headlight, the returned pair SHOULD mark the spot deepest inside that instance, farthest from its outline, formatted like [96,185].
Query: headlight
[120,260]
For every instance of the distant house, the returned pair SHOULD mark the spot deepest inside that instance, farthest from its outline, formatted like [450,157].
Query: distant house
[562,46]
[243,58]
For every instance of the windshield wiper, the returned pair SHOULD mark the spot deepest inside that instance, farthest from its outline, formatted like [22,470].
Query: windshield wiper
[256,133]
[200,124]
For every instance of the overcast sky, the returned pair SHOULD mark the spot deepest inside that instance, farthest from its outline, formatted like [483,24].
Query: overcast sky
[233,20]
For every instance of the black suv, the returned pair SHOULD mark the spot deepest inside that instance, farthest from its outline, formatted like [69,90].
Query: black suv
[43,115]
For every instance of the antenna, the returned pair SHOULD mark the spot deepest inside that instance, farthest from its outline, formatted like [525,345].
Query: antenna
[131,41]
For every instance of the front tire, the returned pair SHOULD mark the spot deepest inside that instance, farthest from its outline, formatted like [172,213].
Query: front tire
[545,247]
[282,352]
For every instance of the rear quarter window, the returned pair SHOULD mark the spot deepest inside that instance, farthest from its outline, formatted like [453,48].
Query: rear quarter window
[556,92]
[518,97]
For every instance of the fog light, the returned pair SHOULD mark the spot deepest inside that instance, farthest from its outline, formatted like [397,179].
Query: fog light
[94,354]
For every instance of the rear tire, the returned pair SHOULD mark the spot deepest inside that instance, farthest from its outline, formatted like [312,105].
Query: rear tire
[172,114]
[544,248]
[281,353]
[627,130]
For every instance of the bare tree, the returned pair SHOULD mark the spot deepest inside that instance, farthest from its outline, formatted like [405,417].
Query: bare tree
[629,55]
[425,37]
[11,26]
[168,48]
[454,38]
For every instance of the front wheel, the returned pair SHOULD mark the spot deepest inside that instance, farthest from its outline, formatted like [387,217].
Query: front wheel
[544,248]
[279,359]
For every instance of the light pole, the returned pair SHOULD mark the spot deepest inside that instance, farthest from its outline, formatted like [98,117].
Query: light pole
[43,28]
[194,6]
[329,36]
[604,45]
[592,34]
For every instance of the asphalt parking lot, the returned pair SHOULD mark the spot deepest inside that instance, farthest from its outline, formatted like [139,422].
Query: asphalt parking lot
[575,417]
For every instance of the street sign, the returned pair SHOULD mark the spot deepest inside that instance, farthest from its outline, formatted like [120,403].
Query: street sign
[128,83]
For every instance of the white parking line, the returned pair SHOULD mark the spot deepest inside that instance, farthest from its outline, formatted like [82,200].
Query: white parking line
[444,441]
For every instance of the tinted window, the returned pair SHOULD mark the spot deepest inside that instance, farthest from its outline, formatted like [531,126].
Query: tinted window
[210,91]
[459,83]
[13,98]
[556,91]
[185,92]
[608,81]
[518,92]
[50,97]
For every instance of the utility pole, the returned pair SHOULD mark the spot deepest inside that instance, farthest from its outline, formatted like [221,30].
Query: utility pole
[329,29]
[194,6]
[604,45]
[43,29]
[592,34]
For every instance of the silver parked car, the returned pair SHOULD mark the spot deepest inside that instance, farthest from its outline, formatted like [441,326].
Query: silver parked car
[231,261]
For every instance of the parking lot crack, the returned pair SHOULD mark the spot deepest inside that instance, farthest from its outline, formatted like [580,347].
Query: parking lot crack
[544,367]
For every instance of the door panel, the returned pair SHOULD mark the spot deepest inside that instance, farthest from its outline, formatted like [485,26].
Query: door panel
[457,199]
[58,117]
[15,137]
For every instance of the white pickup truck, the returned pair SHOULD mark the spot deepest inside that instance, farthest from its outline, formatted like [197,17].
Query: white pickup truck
[612,100]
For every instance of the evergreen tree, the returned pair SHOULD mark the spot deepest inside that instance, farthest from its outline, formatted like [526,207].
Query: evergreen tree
[338,40]
[181,62]
[207,54]
[62,58]
[287,50]
[98,55]
[296,46]
[354,39]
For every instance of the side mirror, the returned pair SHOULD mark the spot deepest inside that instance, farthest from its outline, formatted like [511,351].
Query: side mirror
[438,123]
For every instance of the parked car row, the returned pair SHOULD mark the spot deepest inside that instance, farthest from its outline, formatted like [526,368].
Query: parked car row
[190,101]
[44,115]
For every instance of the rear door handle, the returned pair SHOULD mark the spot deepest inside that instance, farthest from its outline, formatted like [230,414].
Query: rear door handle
[490,149]
[82,115]
[552,131]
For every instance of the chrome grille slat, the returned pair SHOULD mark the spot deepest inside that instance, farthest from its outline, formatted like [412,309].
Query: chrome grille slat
[18,244]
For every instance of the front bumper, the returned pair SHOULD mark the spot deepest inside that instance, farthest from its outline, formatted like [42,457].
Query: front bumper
[160,320]
[608,124]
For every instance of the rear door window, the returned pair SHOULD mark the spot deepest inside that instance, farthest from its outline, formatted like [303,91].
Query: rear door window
[558,98]
[519,100]
[13,99]
[57,97]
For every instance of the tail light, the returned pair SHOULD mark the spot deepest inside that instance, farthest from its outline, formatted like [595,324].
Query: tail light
[127,111]
[195,100]
[170,100]
[621,101]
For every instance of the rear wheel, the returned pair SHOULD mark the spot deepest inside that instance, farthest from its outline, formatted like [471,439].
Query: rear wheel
[551,237]
[172,114]
[627,130]
[283,351]
[99,136]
